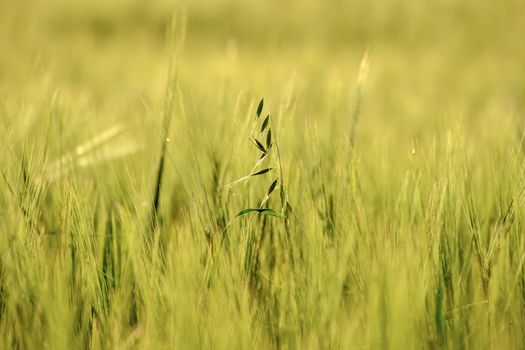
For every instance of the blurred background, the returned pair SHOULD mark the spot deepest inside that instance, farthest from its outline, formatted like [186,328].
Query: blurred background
[431,62]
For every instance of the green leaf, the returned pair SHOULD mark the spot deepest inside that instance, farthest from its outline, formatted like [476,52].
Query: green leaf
[259,145]
[265,123]
[259,108]
[261,172]
[272,187]
[264,211]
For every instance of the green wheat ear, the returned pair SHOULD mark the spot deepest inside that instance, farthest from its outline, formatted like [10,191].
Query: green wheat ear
[356,112]
[107,145]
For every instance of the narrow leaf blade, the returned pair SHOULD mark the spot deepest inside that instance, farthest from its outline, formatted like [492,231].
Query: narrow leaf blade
[264,211]
[245,212]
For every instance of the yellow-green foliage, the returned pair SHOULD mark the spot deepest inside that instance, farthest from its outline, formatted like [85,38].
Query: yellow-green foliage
[396,182]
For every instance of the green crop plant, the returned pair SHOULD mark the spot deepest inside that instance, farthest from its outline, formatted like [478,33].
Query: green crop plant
[150,199]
